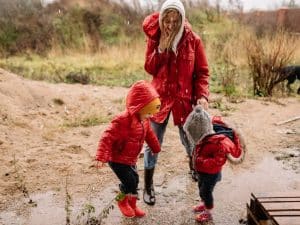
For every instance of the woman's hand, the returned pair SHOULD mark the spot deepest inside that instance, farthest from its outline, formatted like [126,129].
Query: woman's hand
[163,41]
[203,102]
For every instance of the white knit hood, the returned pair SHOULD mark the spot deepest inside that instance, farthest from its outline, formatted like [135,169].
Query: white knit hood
[174,4]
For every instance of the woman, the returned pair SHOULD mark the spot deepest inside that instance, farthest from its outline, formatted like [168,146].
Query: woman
[176,60]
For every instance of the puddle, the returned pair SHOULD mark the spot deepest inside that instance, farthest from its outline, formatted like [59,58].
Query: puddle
[175,196]
[233,192]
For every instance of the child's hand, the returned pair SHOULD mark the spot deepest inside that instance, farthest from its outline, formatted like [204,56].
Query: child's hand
[99,164]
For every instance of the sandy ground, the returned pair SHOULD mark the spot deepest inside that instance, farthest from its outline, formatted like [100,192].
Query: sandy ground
[45,158]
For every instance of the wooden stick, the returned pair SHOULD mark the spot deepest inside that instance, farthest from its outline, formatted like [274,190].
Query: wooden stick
[287,121]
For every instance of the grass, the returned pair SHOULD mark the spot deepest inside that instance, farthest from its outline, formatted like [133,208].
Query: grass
[123,64]
[112,66]
[86,120]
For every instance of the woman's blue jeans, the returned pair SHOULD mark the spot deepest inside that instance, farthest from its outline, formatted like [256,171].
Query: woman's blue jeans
[159,129]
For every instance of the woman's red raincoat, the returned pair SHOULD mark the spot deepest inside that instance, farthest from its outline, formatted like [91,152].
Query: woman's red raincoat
[180,79]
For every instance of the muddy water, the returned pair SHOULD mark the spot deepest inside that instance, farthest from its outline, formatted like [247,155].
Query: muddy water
[175,196]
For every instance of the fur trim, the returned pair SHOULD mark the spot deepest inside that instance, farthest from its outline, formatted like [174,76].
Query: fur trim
[239,160]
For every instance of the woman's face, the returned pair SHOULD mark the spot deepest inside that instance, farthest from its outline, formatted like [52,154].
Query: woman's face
[171,22]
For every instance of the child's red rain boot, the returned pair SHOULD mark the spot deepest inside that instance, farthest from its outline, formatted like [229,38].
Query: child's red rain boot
[199,208]
[203,217]
[125,208]
[137,211]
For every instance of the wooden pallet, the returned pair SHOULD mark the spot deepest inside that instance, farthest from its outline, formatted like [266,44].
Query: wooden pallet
[274,209]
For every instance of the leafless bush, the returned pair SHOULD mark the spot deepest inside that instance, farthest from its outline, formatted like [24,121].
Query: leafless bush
[266,57]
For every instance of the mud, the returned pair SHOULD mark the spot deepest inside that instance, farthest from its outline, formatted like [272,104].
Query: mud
[175,197]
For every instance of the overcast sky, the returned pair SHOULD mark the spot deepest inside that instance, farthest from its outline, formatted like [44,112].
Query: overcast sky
[261,4]
[248,4]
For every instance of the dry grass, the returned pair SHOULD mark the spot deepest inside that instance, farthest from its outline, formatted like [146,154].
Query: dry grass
[87,120]
[111,66]
[296,60]
[122,65]
[227,59]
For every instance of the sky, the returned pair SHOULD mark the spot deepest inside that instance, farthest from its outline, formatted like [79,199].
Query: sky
[247,4]
[260,4]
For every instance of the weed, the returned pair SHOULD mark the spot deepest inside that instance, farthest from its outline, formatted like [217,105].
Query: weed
[218,104]
[68,204]
[87,214]
[87,121]
[21,183]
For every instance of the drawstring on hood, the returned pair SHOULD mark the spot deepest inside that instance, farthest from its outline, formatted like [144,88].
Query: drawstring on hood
[174,4]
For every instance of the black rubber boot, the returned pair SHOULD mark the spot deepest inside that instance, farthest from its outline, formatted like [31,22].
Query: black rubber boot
[149,194]
[192,171]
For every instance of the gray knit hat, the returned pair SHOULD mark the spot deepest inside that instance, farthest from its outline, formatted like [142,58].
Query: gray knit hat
[198,125]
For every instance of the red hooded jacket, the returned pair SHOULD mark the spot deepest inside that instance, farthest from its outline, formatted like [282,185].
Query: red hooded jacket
[180,79]
[210,154]
[123,140]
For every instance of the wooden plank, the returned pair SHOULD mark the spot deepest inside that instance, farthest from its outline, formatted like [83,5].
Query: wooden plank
[288,220]
[284,213]
[281,206]
[288,194]
[262,200]
[250,217]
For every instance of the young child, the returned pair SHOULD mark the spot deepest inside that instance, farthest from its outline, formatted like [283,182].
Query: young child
[214,143]
[122,142]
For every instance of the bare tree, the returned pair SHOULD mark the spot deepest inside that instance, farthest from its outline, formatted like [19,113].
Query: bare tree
[266,57]
[236,5]
[10,9]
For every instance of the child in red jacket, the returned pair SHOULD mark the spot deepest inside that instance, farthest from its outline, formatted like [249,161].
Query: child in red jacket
[214,143]
[122,142]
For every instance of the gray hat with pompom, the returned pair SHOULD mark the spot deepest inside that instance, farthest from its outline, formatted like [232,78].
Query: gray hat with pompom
[198,125]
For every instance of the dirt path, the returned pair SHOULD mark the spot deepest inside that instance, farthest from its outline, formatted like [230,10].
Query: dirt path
[42,150]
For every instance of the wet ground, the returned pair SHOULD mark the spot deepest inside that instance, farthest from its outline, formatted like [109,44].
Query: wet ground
[175,196]
[37,158]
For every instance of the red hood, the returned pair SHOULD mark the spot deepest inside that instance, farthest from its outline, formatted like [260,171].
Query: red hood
[151,26]
[140,94]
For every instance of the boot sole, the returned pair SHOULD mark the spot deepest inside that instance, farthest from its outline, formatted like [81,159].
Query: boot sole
[128,216]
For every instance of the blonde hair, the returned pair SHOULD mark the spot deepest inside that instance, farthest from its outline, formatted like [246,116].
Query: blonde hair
[174,33]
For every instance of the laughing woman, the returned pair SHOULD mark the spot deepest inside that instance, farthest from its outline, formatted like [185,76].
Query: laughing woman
[176,60]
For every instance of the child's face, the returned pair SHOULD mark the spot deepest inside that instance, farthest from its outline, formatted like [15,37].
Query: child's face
[150,109]
[150,113]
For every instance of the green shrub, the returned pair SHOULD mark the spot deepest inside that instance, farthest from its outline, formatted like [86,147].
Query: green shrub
[111,29]
[8,35]
[69,29]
